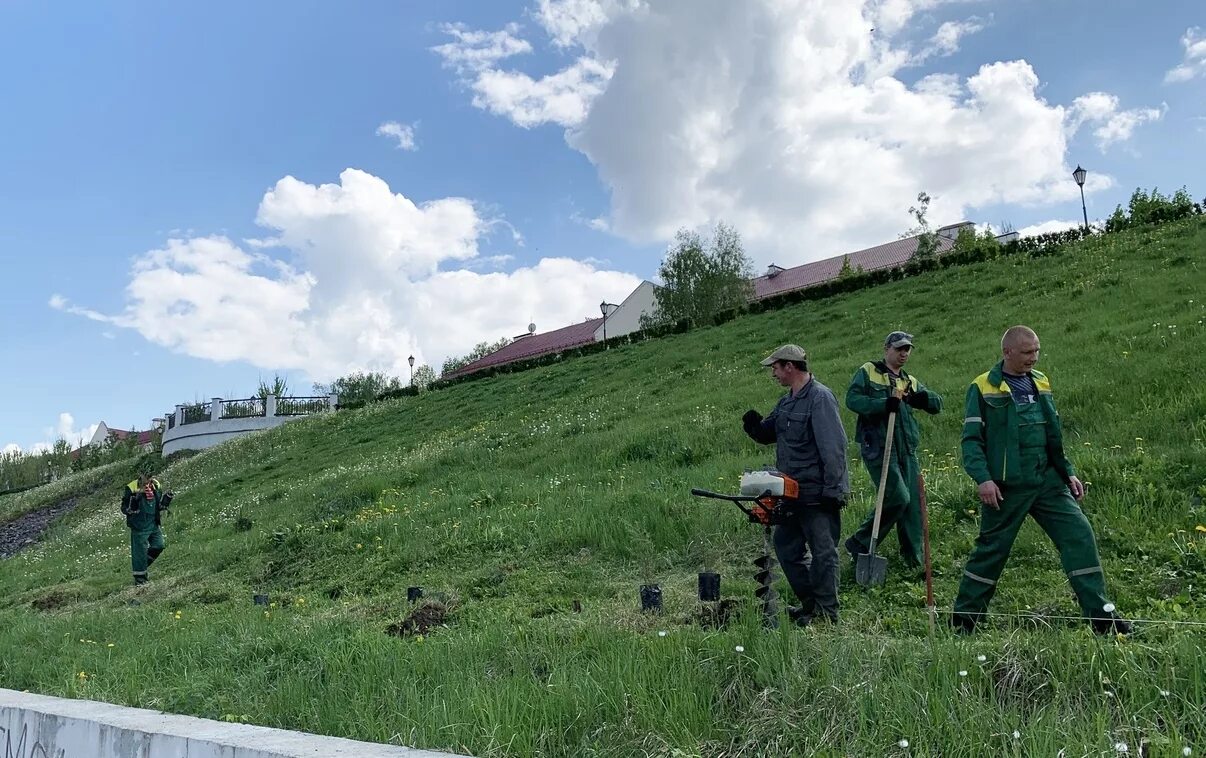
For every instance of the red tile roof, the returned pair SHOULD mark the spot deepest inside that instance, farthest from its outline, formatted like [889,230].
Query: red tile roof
[144,438]
[890,255]
[575,335]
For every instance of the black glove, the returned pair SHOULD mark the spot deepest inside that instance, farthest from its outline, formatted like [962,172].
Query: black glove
[917,400]
[751,421]
[892,404]
[166,500]
[832,502]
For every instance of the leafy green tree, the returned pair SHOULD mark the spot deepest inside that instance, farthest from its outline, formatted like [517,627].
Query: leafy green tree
[701,279]
[278,387]
[359,387]
[927,239]
[424,377]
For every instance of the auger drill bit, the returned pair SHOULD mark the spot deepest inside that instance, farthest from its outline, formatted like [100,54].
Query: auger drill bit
[766,577]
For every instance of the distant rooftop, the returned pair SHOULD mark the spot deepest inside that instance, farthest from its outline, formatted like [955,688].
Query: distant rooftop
[574,335]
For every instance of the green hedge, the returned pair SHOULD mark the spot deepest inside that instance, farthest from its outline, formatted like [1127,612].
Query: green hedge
[1036,246]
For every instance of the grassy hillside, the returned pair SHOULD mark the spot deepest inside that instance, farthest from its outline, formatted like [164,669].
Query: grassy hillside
[510,498]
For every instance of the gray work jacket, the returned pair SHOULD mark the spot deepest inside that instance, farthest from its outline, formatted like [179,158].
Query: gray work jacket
[810,441]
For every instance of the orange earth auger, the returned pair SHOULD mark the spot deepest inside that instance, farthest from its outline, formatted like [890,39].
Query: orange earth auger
[770,492]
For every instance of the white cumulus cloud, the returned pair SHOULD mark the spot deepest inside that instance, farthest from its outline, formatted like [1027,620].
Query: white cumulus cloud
[364,278]
[788,118]
[1113,124]
[1193,64]
[402,134]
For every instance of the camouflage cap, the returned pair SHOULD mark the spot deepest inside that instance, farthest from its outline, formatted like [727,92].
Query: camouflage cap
[898,339]
[786,353]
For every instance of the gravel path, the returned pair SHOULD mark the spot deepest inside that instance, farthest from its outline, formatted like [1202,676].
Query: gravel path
[28,529]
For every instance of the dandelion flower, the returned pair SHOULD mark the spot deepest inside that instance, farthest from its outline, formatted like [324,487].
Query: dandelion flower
[83,675]
[740,649]
[1017,735]
[903,743]
[661,634]
[1121,747]
[419,638]
[981,658]
[1186,751]
[963,672]
[1164,693]
[109,645]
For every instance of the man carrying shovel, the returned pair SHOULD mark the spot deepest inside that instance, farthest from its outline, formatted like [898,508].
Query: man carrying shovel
[882,393]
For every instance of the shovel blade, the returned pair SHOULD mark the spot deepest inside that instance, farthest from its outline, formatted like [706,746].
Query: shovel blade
[870,570]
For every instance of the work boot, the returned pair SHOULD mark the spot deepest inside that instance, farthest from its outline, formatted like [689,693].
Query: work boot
[1110,623]
[962,624]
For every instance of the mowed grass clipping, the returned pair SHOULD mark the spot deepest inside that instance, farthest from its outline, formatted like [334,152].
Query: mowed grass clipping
[510,500]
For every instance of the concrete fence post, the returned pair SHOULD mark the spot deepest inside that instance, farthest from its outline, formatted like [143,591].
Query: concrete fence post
[270,406]
[215,409]
[332,400]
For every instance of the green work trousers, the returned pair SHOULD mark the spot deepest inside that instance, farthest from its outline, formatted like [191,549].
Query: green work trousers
[1057,512]
[902,507]
[145,547]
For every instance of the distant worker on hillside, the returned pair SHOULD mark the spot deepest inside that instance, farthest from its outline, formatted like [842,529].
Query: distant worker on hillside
[810,447]
[879,389]
[1013,447]
[143,502]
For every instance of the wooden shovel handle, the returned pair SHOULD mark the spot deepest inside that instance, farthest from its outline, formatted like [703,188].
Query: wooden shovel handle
[883,482]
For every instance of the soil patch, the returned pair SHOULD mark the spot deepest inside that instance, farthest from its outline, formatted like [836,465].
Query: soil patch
[25,530]
[718,615]
[421,620]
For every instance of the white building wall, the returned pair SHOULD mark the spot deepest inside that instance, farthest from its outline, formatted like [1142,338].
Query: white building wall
[627,318]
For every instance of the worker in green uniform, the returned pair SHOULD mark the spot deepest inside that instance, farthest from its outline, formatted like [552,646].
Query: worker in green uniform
[878,389]
[143,501]
[1013,448]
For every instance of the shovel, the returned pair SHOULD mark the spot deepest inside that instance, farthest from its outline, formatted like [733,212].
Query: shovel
[870,570]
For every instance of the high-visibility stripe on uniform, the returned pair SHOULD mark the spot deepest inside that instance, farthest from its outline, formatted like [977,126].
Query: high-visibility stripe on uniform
[973,420]
[875,376]
[1090,570]
[978,578]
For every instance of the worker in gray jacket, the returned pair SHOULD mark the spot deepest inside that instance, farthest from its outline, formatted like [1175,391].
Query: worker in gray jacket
[810,447]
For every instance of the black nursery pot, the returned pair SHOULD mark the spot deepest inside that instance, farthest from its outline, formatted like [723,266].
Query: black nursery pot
[413,594]
[709,586]
[259,599]
[651,598]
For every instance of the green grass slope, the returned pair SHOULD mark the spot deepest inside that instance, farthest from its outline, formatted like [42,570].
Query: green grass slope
[510,498]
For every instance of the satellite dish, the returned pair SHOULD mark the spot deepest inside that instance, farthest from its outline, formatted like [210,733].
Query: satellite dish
[531,328]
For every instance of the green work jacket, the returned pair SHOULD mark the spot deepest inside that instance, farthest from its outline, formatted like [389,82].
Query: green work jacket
[999,445]
[141,514]
[867,396]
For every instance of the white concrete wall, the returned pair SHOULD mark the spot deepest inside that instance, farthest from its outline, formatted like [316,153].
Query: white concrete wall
[205,434]
[37,726]
[627,318]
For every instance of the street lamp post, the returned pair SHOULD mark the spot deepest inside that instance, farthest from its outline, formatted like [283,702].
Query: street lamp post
[411,361]
[1079,176]
[603,306]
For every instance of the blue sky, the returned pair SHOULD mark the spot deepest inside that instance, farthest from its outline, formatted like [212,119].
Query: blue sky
[178,218]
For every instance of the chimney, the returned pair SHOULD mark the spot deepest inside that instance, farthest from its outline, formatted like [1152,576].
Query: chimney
[772,271]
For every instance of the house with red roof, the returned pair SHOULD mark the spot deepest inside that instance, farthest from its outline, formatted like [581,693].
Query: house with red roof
[625,318]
